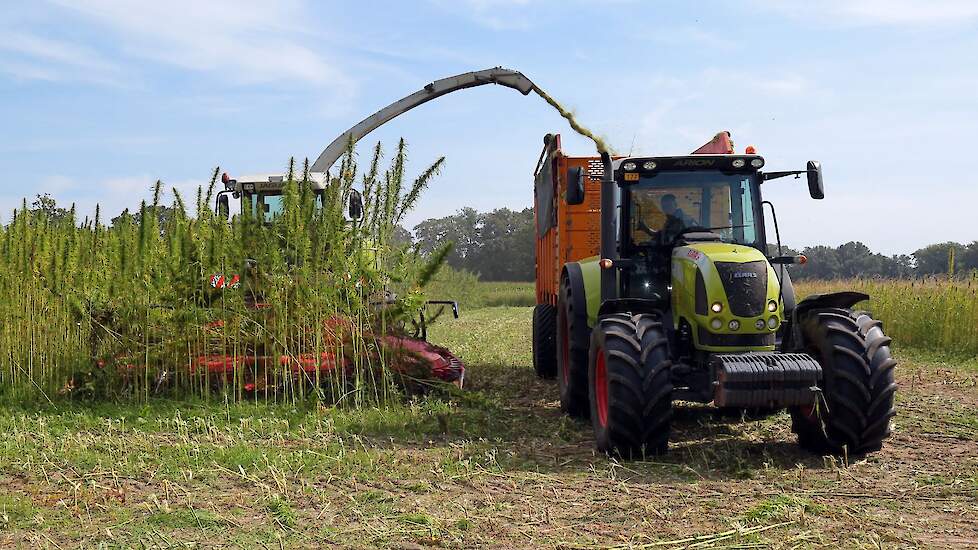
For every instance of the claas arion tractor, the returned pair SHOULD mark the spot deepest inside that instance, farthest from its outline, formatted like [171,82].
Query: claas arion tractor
[654,286]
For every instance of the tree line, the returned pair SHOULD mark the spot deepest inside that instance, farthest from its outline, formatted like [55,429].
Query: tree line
[499,246]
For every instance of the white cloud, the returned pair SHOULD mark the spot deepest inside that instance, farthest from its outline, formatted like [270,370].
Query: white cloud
[247,41]
[885,12]
[496,15]
[27,56]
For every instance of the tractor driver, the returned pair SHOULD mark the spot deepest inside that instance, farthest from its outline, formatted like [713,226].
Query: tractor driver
[676,219]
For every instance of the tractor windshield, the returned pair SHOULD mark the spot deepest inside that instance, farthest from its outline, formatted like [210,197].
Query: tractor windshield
[661,206]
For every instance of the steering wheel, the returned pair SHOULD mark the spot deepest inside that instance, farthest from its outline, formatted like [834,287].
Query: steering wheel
[673,238]
[646,229]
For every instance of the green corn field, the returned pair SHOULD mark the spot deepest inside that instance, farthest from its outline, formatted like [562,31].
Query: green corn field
[937,315]
[934,315]
[143,307]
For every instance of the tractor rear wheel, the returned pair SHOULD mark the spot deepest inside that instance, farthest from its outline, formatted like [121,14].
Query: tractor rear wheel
[631,385]
[572,359]
[853,414]
[545,340]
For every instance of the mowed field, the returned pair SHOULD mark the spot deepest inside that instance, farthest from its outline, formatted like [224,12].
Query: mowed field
[493,466]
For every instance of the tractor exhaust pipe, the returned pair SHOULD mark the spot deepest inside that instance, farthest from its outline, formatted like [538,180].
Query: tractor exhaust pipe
[609,277]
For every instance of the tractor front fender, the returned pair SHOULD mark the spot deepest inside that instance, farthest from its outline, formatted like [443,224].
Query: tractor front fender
[844,300]
[575,277]
[632,306]
[833,299]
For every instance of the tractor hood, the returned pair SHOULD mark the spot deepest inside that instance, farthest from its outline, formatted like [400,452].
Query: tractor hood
[721,252]
[728,293]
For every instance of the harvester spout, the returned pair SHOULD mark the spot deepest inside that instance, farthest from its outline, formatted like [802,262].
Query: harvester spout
[498,75]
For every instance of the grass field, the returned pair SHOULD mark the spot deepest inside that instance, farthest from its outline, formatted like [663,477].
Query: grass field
[494,466]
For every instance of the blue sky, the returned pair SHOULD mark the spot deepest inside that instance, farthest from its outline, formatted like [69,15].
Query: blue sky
[100,98]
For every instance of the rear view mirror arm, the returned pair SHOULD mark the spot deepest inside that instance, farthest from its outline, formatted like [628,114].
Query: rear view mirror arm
[775,175]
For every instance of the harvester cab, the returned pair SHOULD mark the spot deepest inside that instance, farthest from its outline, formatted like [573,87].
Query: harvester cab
[261,194]
[683,302]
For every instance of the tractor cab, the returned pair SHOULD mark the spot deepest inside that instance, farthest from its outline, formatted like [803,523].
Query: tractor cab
[667,202]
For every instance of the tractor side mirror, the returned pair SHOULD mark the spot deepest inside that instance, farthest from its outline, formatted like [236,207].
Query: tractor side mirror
[575,185]
[356,205]
[815,187]
[223,206]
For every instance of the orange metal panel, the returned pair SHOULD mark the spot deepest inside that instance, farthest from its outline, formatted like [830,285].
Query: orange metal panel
[577,233]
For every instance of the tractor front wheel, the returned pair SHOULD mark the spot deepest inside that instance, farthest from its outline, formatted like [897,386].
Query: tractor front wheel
[853,413]
[545,340]
[630,385]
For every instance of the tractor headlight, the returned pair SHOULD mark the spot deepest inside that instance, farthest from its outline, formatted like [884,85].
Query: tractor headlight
[772,306]
[759,324]
[772,323]
[629,166]
[649,165]
[734,324]
[717,307]
[716,324]
[738,163]
[757,163]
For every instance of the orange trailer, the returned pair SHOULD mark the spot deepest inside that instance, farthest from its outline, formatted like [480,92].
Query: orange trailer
[565,233]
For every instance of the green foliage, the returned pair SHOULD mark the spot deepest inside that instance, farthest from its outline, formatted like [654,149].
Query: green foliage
[938,315]
[497,245]
[948,257]
[854,259]
[129,310]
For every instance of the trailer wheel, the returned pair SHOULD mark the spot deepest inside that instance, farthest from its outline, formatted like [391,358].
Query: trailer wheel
[545,340]
[631,385]
[572,344]
[853,414]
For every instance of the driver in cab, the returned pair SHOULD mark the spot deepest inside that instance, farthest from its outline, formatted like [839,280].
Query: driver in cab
[676,219]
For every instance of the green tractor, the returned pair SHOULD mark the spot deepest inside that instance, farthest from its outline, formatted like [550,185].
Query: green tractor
[684,304]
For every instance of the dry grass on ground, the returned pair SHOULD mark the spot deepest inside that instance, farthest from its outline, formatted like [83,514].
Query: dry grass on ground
[494,466]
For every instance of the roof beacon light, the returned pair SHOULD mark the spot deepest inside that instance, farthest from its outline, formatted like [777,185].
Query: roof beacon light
[751,150]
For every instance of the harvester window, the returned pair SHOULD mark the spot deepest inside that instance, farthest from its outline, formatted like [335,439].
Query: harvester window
[663,205]
[268,206]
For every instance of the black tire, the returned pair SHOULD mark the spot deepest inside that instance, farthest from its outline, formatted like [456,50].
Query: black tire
[853,415]
[572,344]
[545,340]
[631,404]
